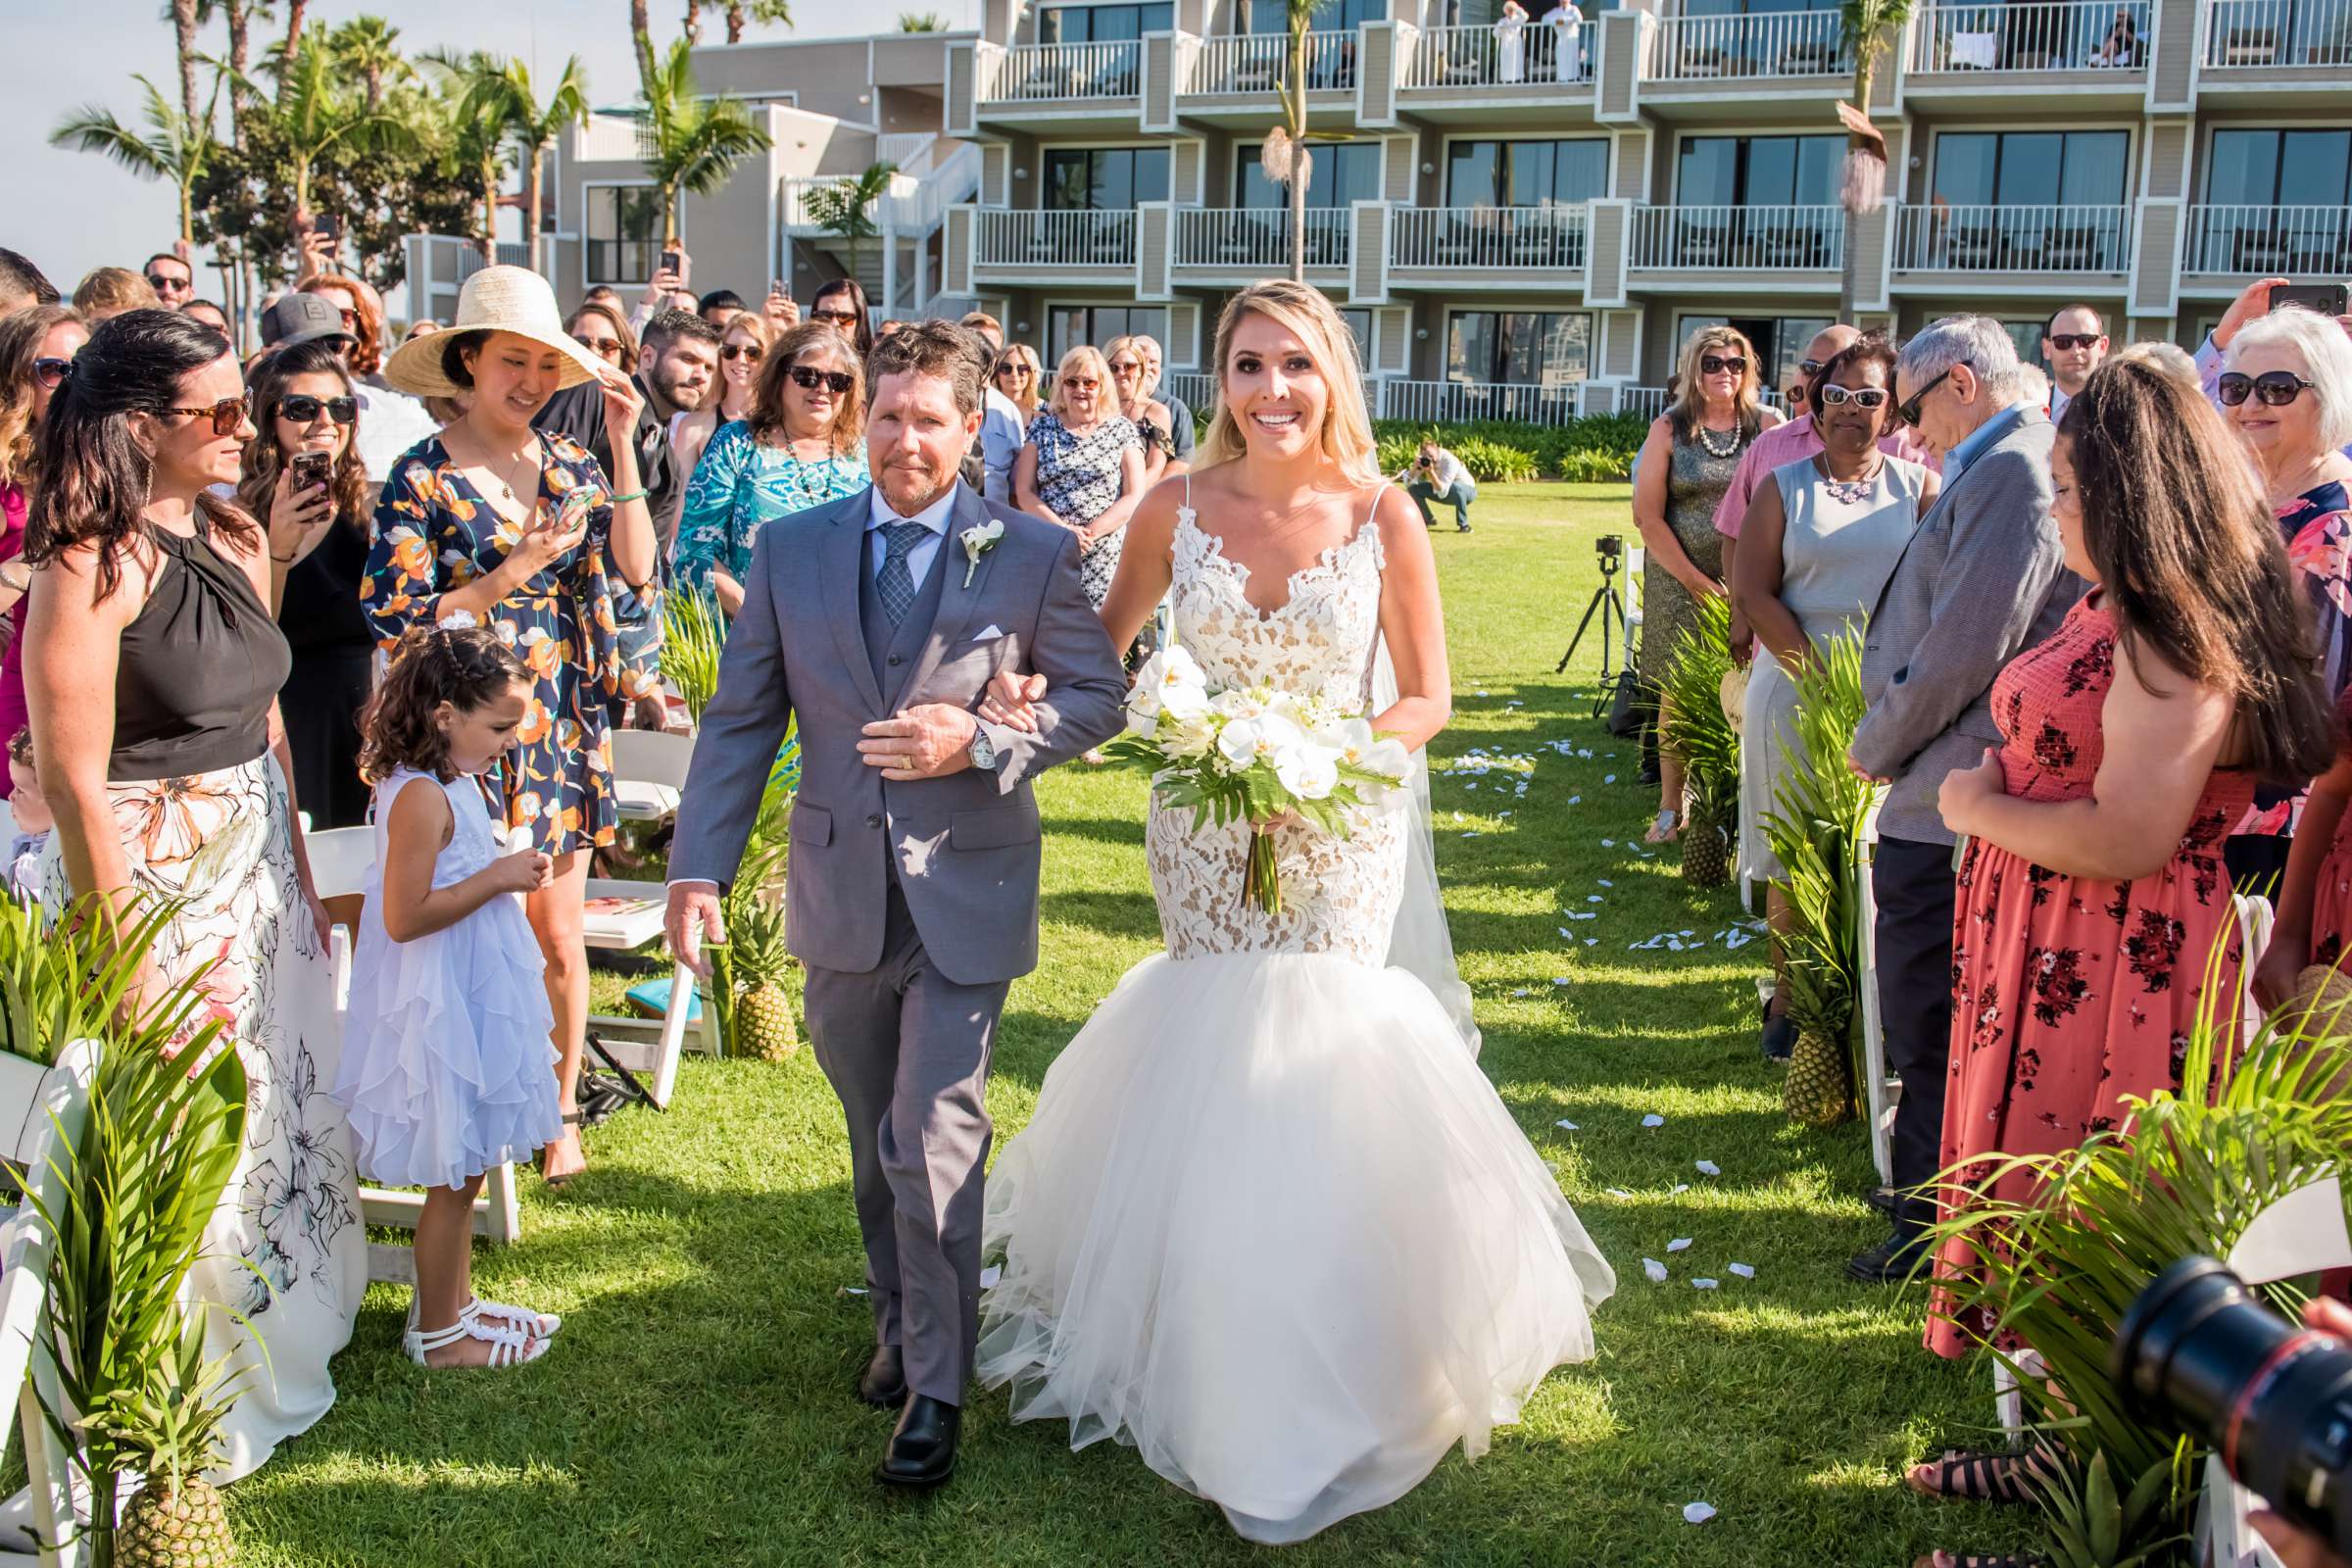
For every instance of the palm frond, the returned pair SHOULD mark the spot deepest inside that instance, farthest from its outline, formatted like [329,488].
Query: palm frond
[1694,726]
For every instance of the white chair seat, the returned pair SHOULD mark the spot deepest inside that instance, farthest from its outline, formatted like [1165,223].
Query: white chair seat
[640,802]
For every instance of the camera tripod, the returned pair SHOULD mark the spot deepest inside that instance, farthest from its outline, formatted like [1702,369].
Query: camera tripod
[1611,549]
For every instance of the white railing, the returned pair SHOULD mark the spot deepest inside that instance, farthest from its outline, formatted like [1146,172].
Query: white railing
[1475,57]
[2268,241]
[2279,32]
[1648,402]
[1458,402]
[1258,62]
[1041,72]
[1258,239]
[2012,239]
[1765,43]
[2031,35]
[610,138]
[908,149]
[1194,389]
[918,204]
[1739,238]
[1488,237]
[1054,238]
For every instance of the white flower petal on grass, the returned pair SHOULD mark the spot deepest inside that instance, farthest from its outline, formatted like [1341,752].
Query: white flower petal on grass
[1698,1513]
[1703,1285]
[1654,1269]
[1707,1167]
[1747,1272]
[1619,1192]
[990,1275]
[1653,1119]
[1678,1244]
[1566,1126]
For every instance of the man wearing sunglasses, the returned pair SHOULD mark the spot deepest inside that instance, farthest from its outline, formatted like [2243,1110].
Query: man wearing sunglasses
[2075,343]
[174,282]
[390,422]
[1982,579]
[676,366]
[1794,441]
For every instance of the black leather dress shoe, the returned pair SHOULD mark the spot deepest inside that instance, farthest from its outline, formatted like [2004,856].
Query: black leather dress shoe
[923,1450]
[1887,1263]
[1780,1037]
[884,1381]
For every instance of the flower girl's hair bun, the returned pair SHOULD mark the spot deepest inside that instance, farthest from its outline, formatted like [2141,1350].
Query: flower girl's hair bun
[457,662]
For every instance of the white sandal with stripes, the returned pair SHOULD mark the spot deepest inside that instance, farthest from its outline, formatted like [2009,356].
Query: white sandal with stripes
[543,1325]
[509,1347]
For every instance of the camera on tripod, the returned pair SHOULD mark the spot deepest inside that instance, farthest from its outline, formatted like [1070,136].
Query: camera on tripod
[1608,606]
[1611,548]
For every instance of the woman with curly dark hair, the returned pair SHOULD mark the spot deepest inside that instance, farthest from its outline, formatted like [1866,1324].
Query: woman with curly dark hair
[38,345]
[303,473]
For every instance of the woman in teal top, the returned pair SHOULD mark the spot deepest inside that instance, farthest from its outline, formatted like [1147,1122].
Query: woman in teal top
[800,448]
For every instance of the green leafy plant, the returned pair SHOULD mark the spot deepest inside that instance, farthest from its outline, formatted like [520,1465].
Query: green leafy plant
[695,140]
[845,209]
[693,637]
[61,984]
[1596,450]
[1693,728]
[2092,1526]
[174,146]
[754,892]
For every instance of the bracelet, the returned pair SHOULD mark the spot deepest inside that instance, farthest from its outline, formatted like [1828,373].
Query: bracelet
[285,560]
[634,495]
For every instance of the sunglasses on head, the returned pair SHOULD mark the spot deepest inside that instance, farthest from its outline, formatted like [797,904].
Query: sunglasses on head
[742,351]
[809,377]
[2063,342]
[1908,413]
[50,373]
[837,318]
[1867,397]
[303,408]
[229,414]
[1717,364]
[2274,389]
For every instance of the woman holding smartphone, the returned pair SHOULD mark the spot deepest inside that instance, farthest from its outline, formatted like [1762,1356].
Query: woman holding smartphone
[517,529]
[303,473]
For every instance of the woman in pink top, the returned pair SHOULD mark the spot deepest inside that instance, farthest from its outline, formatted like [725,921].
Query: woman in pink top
[36,354]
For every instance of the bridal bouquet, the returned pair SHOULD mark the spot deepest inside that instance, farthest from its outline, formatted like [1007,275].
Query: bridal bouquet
[1254,752]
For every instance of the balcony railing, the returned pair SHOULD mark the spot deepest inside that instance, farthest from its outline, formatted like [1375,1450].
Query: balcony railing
[2012,239]
[1455,402]
[1054,238]
[1197,389]
[2032,36]
[1059,72]
[1739,238]
[1648,402]
[1259,62]
[2268,241]
[1766,44]
[2246,33]
[1475,57]
[1488,237]
[1258,239]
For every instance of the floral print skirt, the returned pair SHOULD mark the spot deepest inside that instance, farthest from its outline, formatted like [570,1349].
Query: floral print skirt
[285,1251]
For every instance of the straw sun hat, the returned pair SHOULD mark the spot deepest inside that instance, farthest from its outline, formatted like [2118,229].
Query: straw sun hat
[496,299]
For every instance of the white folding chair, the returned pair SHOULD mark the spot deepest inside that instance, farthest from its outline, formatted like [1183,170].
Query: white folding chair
[1883,1089]
[649,771]
[42,1113]
[341,860]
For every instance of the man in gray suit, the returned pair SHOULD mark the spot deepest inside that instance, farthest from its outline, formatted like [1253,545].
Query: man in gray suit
[1982,580]
[910,894]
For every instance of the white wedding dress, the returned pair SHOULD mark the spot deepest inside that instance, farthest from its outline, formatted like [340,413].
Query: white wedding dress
[1270,1224]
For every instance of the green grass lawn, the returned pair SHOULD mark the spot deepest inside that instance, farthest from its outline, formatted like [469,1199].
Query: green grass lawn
[697,1408]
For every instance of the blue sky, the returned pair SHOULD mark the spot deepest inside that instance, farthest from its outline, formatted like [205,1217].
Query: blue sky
[70,210]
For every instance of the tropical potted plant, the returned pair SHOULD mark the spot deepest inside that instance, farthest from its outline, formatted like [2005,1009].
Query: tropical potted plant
[1694,727]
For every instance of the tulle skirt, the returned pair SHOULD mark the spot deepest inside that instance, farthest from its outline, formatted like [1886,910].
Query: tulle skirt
[1271,1226]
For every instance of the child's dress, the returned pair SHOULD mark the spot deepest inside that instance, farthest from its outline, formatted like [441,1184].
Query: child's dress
[448,1068]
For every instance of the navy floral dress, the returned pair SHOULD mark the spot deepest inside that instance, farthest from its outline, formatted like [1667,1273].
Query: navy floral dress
[435,532]
[1079,477]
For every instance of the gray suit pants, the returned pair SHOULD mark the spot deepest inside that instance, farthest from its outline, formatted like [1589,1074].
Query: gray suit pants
[908,1052]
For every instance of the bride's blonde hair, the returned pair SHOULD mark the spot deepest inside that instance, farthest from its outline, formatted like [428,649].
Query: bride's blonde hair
[1307,313]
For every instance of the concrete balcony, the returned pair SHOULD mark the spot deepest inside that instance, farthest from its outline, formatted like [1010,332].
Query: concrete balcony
[1473,248]
[1230,79]
[1993,55]
[1735,56]
[2226,248]
[1049,87]
[1064,246]
[1243,245]
[2258,44]
[1458,74]
[1736,249]
[2010,249]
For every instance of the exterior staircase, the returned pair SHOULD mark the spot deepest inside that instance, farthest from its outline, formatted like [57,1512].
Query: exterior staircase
[899,269]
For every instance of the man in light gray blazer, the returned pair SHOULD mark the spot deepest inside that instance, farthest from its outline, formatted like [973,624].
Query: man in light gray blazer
[1982,580]
[910,894]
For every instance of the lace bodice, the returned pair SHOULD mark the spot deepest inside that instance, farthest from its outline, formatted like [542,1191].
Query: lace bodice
[1341,894]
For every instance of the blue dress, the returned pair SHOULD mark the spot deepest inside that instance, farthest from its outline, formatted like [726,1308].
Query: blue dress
[740,487]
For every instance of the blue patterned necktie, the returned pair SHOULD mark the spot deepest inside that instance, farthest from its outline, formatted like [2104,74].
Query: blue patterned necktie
[894,582]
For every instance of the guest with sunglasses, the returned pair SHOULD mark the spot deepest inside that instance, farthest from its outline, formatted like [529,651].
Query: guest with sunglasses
[802,446]
[742,349]
[322,311]
[38,346]
[841,305]
[598,327]
[303,404]
[2075,343]
[2287,389]
[1083,467]
[1019,375]
[172,278]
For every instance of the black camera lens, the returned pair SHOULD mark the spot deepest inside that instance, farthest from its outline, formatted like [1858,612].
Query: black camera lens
[2197,1351]
[1609,546]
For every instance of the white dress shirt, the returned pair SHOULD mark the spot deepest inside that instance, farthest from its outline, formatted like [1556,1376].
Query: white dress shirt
[1001,437]
[2060,397]
[933,517]
[390,424]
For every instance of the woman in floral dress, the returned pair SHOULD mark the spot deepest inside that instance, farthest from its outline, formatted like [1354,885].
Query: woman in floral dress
[519,529]
[1083,467]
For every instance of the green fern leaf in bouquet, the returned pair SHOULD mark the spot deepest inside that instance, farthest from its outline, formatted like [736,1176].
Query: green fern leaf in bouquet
[1694,728]
[693,636]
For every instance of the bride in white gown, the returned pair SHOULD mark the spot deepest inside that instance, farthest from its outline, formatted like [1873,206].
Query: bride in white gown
[1270,1224]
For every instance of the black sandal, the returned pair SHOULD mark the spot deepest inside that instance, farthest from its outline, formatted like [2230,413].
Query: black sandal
[2000,1476]
[572,1118]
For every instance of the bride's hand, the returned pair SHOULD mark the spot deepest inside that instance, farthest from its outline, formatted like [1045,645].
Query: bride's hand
[1011,701]
[1268,824]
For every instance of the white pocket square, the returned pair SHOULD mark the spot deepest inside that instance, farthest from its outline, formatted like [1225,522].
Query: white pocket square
[988,633]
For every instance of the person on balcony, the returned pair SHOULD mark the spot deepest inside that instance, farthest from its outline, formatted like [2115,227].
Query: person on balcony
[2075,342]
[2122,48]
[1566,25]
[1437,475]
[1510,42]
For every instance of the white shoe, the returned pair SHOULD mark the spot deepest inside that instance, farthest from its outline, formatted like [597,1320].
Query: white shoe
[542,1324]
[509,1347]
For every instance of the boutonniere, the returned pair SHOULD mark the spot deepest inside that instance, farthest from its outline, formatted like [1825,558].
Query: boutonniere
[978,541]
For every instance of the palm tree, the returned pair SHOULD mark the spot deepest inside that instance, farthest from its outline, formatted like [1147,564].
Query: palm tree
[1869,28]
[183,33]
[740,10]
[692,23]
[696,142]
[641,35]
[536,125]
[313,114]
[369,47]
[1285,156]
[846,207]
[241,14]
[477,95]
[175,146]
[922,21]
[294,15]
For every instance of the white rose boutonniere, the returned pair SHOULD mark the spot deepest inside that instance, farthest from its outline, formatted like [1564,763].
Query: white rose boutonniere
[977,542]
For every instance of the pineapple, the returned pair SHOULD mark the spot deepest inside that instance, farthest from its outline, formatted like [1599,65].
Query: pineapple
[170,1430]
[762,1011]
[1819,1091]
[1707,826]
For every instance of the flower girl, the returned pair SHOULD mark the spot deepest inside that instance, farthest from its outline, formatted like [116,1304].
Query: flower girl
[448,1068]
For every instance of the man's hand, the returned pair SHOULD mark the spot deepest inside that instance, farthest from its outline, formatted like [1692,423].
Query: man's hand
[1861,772]
[927,742]
[2296,1546]
[692,919]
[1011,701]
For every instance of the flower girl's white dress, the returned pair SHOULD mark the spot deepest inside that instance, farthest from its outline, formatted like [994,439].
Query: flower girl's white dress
[448,1064]
[1270,1224]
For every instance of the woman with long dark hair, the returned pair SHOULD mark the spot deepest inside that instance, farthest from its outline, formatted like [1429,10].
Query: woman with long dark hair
[841,305]
[38,345]
[153,666]
[303,405]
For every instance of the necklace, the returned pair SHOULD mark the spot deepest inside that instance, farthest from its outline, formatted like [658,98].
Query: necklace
[498,476]
[1706,438]
[1851,492]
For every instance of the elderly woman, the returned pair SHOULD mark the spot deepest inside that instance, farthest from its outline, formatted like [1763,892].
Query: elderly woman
[1083,467]
[803,444]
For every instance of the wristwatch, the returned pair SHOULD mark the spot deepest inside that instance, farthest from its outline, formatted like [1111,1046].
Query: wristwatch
[982,752]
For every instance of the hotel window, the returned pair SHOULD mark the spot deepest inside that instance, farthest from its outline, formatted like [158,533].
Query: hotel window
[2277,202]
[622,232]
[1759,171]
[1525,174]
[1521,348]
[1342,172]
[1104,23]
[1067,326]
[1104,179]
[2032,168]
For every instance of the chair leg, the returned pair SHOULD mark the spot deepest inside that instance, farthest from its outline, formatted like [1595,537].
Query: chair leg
[504,1215]
[673,1035]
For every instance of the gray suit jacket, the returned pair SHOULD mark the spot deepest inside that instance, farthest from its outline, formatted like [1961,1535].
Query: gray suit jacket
[1982,579]
[966,845]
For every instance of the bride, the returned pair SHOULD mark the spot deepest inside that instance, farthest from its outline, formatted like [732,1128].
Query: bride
[1270,1224]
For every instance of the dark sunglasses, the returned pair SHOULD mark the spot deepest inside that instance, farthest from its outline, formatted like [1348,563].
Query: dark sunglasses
[808,378]
[52,373]
[742,351]
[303,408]
[1810,369]
[608,348]
[229,414]
[2063,342]
[1908,413]
[1012,369]
[837,318]
[2274,389]
[1716,365]
[1868,397]
[159,284]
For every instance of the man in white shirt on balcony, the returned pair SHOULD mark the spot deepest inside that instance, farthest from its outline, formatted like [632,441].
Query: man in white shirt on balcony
[1566,23]
[2075,342]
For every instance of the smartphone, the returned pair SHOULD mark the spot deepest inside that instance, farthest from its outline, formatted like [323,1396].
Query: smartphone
[779,288]
[311,469]
[674,262]
[2326,298]
[330,225]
